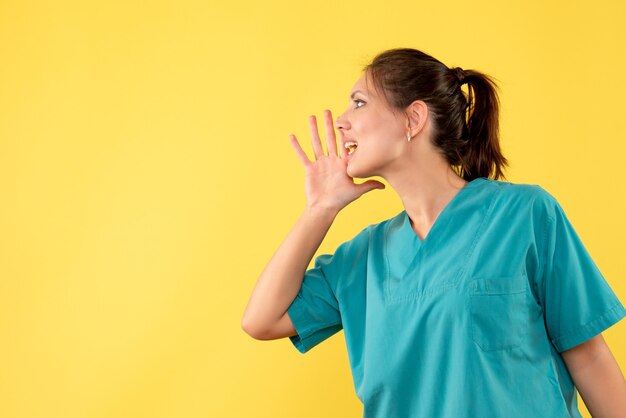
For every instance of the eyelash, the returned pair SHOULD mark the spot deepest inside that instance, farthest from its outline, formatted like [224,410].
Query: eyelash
[356,101]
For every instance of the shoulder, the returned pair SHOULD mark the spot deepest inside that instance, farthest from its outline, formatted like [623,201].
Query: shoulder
[351,255]
[361,241]
[521,191]
[526,197]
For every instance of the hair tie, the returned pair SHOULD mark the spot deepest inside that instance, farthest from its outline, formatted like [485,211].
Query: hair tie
[460,75]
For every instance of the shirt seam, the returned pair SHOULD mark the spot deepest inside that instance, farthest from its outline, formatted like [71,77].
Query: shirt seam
[340,285]
[546,250]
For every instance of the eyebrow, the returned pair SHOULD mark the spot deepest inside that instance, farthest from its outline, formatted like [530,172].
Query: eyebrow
[355,92]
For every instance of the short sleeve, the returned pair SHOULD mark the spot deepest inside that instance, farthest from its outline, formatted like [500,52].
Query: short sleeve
[315,311]
[577,300]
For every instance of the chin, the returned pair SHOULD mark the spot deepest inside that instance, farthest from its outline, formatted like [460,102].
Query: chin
[357,173]
[352,171]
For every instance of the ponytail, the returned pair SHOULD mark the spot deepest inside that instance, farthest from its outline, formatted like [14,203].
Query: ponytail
[465,124]
[482,156]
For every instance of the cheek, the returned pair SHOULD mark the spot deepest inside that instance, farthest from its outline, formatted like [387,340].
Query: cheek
[380,127]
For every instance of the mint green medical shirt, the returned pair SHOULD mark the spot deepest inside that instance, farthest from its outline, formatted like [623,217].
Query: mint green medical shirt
[468,323]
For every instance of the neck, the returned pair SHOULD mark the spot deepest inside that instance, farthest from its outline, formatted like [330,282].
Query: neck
[425,185]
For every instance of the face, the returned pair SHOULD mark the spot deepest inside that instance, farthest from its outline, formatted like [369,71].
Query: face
[379,132]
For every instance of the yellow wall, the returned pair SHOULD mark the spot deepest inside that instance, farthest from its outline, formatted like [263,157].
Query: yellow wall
[146,177]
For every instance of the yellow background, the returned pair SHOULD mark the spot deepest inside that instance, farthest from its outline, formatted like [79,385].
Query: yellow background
[146,177]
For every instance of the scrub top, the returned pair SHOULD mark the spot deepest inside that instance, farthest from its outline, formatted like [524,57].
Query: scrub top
[469,322]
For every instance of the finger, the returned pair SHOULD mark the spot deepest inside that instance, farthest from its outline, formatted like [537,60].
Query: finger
[369,186]
[315,138]
[299,151]
[331,139]
[342,149]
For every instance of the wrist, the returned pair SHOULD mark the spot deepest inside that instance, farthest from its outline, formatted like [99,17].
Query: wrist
[321,212]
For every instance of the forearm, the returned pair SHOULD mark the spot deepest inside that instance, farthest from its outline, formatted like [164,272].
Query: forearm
[281,279]
[601,384]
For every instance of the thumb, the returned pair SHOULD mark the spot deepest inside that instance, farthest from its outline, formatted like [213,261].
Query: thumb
[369,186]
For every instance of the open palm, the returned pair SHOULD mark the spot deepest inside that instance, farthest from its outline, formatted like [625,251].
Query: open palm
[327,184]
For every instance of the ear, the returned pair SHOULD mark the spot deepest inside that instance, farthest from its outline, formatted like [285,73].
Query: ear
[417,113]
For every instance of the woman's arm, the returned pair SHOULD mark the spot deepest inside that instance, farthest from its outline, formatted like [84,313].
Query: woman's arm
[281,279]
[328,189]
[597,377]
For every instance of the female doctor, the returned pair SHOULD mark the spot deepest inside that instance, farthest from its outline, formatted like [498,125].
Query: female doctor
[478,299]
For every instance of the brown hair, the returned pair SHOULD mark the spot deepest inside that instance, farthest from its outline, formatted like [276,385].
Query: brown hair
[465,124]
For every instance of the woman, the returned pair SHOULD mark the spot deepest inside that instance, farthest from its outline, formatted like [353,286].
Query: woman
[478,299]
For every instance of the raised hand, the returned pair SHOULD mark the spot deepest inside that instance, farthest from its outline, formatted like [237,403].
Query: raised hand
[327,184]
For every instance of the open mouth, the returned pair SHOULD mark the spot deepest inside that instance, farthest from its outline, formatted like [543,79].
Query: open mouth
[350,146]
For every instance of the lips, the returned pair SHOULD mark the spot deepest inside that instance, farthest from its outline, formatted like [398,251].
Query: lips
[350,145]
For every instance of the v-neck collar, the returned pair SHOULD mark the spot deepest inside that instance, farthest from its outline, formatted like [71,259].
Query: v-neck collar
[407,258]
[407,229]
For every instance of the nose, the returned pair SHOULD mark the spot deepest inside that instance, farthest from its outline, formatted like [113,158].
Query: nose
[342,122]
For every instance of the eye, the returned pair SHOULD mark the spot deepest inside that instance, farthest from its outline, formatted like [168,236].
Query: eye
[357,101]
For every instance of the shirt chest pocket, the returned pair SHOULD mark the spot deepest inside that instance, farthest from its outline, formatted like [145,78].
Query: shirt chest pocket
[499,312]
